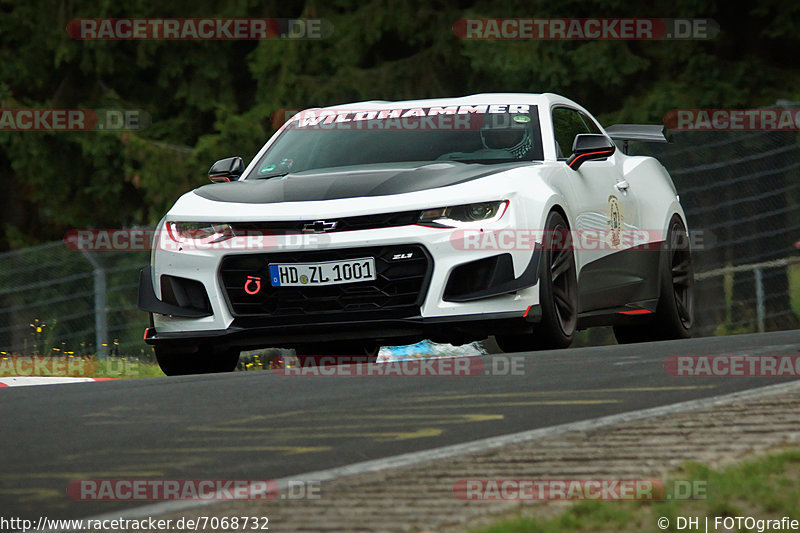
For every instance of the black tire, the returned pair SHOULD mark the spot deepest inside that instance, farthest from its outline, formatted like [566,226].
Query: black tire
[558,294]
[674,316]
[337,353]
[202,360]
[514,343]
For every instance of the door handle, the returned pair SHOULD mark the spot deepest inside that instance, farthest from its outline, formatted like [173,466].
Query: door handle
[622,185]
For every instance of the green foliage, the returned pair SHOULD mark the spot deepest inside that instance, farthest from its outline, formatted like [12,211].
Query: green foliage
[210,100]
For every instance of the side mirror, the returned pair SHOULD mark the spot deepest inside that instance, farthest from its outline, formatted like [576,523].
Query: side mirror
[589,147]
[226,170]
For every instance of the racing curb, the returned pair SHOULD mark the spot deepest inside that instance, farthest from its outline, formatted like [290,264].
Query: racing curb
[25,381]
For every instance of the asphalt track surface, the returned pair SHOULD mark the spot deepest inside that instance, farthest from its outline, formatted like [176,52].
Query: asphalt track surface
[260,425]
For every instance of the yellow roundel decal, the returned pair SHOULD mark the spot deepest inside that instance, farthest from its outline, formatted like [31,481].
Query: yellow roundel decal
[614,221]
[303,279]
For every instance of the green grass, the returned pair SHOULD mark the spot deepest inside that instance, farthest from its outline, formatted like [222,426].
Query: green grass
[794,288]
[77,366]
[767,487]
[583,516]
[123,367]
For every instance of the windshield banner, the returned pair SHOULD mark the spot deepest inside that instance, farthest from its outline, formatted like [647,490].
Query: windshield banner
[465,117]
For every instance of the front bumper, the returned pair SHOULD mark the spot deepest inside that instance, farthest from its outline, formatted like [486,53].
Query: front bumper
[506,291]
[246,335]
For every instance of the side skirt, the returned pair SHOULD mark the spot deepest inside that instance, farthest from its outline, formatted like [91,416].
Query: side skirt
[630,275]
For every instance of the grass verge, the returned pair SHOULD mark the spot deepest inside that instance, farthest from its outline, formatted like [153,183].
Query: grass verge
[763,488]
[123,368]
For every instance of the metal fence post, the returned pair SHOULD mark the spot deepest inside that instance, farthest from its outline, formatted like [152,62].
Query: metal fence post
[100,306]
[760,310]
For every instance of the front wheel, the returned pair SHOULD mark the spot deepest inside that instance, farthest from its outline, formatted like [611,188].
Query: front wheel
[558,293]
[201,360]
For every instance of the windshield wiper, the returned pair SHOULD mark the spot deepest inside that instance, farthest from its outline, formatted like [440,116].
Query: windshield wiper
[482,161]
[268,176]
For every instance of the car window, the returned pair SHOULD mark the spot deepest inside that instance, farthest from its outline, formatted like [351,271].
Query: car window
[473,135]
[590,124]
[567,123]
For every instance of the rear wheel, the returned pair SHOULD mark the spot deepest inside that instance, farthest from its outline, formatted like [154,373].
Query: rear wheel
[558,282]
[674,315]
[337,353]
[202,360]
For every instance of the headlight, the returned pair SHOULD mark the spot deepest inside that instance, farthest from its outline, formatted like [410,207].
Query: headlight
[461,215]
[199,232]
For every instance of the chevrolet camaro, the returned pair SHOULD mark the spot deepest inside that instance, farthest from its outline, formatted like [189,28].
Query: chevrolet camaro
[378,223]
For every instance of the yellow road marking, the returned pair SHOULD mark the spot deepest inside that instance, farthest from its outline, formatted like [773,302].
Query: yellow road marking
[454,418]
[321,433]
[495,404]
[83,475]
[388,436]
[33,495]
[284,450]
[421,399]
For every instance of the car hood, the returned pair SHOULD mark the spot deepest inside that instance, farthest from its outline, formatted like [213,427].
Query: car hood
[351,182]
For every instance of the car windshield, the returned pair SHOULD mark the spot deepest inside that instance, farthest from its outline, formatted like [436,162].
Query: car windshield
[469,134]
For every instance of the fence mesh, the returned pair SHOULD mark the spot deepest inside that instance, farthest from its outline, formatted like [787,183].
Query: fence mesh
[740,189]
[48,301]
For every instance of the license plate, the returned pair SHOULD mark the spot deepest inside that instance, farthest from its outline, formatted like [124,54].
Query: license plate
[326,273]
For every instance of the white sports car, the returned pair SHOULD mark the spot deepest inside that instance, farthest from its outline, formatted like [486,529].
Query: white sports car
[384,223]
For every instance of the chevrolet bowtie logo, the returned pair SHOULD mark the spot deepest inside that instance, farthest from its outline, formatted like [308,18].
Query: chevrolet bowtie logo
[319,226]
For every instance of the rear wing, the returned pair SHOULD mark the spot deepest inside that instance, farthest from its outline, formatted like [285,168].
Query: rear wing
[651,133]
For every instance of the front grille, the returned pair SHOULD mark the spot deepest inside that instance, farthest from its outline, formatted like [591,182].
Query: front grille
[383,220]
[403,273]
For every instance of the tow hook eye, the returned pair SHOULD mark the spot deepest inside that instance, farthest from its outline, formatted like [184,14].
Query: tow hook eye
[252,285]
